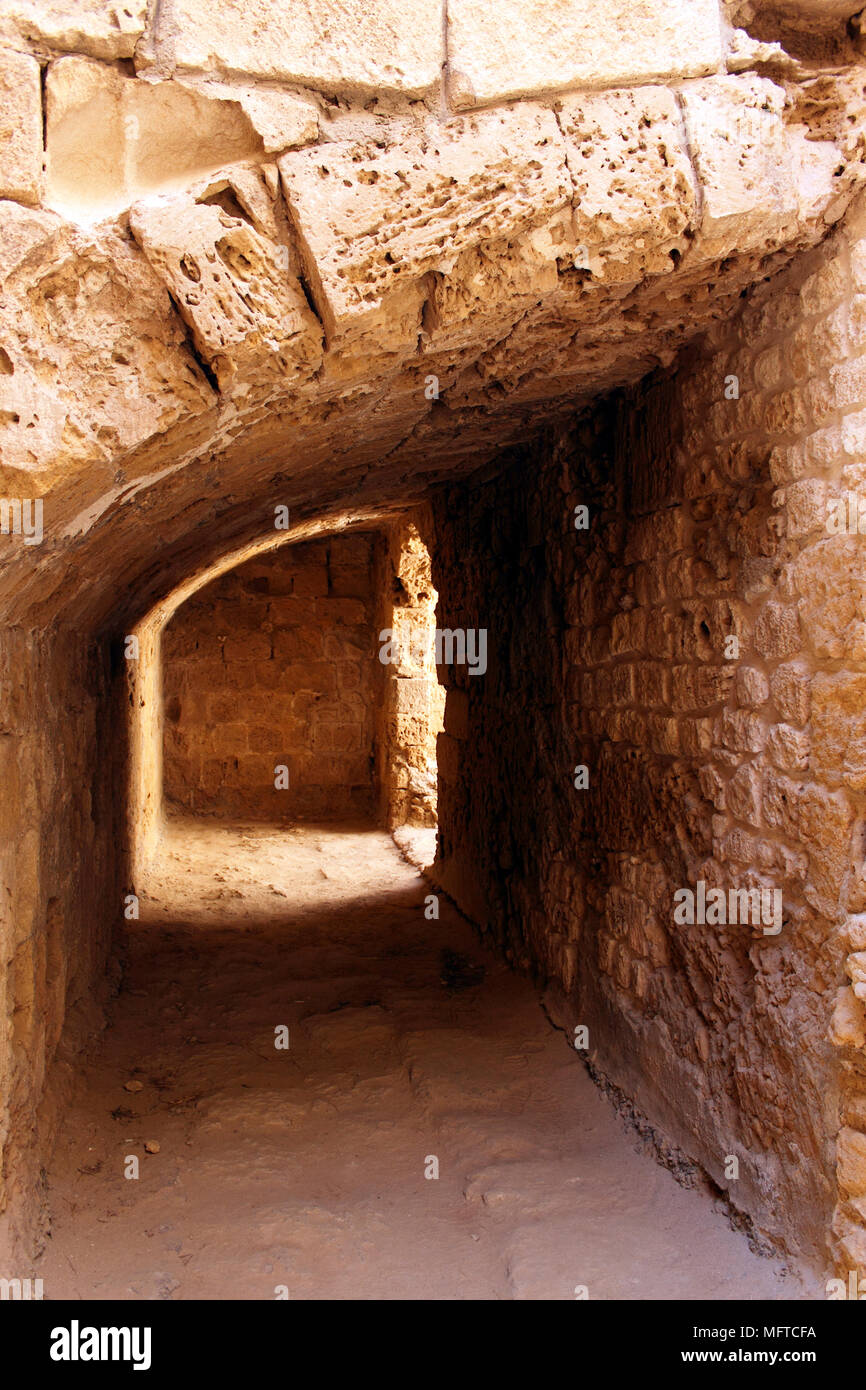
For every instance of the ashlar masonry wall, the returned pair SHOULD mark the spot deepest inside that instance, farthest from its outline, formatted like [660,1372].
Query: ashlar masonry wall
[274,665]
[676,695]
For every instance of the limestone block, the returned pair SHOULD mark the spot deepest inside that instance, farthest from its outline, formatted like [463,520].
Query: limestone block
[20,128]
[741,730]
[738,141]
[781,804]
[833,604]
[839,728]
[249,317]
[22,232]
[634,189]
[526,47]
[283,120]
[777,631]
[855,965]
[743,794]
[856,931]
[373,219]
[851,1162]
[806,504]
[825,828]
[848,1028]
[111,139]
[753,688]
[815,164]
[788,748]
[345,46]
[850,1233]
[491,287]
[106,29]
[240,189]
[790,688]
[99,357]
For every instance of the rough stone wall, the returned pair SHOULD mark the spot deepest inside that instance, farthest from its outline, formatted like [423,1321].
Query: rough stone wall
[412,704]
[274,664]
[62,876]
[710,518]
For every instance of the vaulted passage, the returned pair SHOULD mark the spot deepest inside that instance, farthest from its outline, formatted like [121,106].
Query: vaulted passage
[433,626]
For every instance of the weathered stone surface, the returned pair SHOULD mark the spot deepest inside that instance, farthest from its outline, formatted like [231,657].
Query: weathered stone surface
[283,120]
[373,220]
[527,48]
[855,965]
[98,28]
[851,1160]
[98,357]
[839,728]
[22,231]
[832,609]
[848,1027]
[335,45]
[737,137]
[248,315]
[20,128]
[111,139]
[634,189]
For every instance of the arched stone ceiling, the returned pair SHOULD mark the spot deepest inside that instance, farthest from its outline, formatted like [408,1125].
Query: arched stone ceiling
[340,326]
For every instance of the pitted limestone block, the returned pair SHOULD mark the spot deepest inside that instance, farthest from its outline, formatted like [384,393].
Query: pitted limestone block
[742,155]
[283,120]
[855,929]
[111,139]
[527,47]
[99,357]
[491,287]
[374,217]
[346,46]
[106,29]
[249,317]
[22,232]
[634,188]
[20,128]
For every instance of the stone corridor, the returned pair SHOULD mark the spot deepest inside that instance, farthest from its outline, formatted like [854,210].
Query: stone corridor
[305,1168]
[442,417]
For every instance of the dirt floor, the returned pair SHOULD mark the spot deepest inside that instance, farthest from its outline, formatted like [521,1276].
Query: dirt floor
[301,1172]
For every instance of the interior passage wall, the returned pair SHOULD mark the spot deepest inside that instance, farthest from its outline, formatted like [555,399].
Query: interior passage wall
[273,665]
[62,879]
[699,649]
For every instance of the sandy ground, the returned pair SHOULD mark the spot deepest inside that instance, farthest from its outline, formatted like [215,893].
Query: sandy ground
[304,1169]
